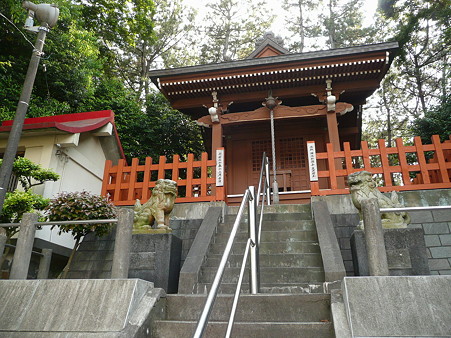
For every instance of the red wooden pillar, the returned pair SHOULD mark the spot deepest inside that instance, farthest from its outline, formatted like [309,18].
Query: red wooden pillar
[216,143]
[334,139]
[216,139]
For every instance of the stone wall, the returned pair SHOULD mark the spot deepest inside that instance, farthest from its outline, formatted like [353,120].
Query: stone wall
[436,225]
[437,235]
[186,230]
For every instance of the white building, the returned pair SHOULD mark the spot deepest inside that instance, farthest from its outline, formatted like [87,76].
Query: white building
[75,146]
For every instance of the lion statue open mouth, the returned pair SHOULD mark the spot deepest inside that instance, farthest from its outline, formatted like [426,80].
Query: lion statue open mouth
[158,207]
[362,186]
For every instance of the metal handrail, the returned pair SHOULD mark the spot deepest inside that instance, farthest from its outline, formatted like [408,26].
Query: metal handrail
[401,209]
[91,221]
[251,245]
[202,323]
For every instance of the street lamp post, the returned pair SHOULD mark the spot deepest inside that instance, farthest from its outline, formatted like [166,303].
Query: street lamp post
[47,15]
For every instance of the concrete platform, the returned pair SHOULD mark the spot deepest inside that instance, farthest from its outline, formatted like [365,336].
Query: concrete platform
[416,306]
[76,308]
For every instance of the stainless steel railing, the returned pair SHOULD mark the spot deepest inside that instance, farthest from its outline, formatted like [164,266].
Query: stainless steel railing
[252,245]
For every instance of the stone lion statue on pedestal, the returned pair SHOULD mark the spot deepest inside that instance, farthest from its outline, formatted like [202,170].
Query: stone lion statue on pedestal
[158,207]
[362,186]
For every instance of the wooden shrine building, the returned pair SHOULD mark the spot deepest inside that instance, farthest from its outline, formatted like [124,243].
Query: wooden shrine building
[318,96]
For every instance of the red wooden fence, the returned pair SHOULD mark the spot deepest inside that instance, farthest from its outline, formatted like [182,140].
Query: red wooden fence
[123,184]
[398,168]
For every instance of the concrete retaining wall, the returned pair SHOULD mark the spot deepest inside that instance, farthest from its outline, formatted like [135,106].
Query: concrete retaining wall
[436,225]
[417,306]
[76,308]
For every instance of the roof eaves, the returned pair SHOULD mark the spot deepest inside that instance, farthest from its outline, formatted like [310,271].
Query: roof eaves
[273,60]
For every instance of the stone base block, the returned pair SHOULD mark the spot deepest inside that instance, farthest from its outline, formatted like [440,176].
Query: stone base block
[417,306]
[406,252]
[156,258]
[98,308]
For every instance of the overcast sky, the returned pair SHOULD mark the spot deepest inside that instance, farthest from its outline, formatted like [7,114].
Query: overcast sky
[369,10]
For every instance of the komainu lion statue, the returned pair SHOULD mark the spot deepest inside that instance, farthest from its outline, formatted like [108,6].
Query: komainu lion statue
[158,207]
[362,186]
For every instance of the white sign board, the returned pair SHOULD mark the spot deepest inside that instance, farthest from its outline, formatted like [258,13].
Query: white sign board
[313,169]
[219,167]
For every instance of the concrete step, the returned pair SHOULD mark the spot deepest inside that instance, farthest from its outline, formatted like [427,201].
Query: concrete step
[267,275]
[272,236]
[280,208]
[181,329]
[230,219]
[252,308]
[272,226]
[271,247]
[273,288]
[273,260]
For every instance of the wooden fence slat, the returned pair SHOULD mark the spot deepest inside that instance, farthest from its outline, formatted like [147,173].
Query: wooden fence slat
[440,159]
[132,180]
[203,175]
[161,165]
[348,157]
[175,168]
[106,177]
[331,163]
[421,160]
[189,176]
[146,180]
[117,188]
[403,162]
[385,163]
[365,156]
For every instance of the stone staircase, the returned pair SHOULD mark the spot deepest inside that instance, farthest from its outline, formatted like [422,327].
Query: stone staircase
[291,302]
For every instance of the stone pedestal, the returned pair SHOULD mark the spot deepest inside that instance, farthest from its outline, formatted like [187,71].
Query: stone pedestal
[406,252]
[156,258]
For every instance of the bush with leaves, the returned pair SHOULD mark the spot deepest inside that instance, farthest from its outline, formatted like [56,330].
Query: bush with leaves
[19,202]
[77,206]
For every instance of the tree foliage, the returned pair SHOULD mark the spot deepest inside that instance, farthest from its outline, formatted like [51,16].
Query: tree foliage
[231,29]
[437,121]
[76,206]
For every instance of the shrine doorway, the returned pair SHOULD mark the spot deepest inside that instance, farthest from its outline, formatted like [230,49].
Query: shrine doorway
[244,155]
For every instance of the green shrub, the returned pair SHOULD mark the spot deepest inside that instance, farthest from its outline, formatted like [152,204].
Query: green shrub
[19,202]
[74,206]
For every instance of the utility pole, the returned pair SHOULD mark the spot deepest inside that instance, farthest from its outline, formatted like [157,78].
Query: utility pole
[47,15]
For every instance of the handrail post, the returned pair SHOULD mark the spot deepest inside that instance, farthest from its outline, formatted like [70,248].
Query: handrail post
[374,238]
[24,246]
[122,244]
[3,239]
[254,280]
[44,264]
[267,178]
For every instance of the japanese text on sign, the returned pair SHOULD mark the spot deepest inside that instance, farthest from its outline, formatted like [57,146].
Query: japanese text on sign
[312,161]
[219,167]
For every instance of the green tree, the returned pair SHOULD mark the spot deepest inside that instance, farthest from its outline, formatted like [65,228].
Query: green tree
[301,23]
[18,202]
[76,206]
[424,34]
[435,122]
[344,24]
[162,130]
[232,29]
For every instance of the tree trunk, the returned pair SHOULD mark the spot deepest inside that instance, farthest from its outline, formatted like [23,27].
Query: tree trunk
[66,269]
[331,24]
[301,26]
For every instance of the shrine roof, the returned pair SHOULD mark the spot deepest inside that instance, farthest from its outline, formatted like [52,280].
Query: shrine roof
[187,87]
[335,53]
[68,123]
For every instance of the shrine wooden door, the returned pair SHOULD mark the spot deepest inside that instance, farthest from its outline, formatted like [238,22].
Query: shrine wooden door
[245,157]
